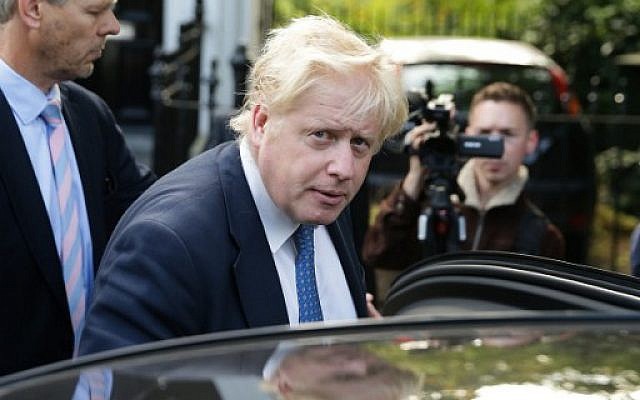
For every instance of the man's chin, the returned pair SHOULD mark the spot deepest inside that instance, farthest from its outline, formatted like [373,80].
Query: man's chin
[497,180]
[320,218]
[86,71]
[493,174]
[83,72]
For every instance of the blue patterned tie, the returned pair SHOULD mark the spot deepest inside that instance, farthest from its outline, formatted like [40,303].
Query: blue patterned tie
[308,300]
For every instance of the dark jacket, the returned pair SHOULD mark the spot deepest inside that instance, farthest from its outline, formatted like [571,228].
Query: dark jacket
[191,256]
[36,326]
[513,224]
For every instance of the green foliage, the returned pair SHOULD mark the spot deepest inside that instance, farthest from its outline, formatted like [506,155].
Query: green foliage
[416,17]
[619,174]
[581,363]
[584,37]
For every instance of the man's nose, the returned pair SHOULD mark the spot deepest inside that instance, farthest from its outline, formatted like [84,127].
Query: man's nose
[342,161]
[110,24]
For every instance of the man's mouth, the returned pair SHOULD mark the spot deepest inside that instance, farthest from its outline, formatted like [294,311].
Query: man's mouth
[95,54]
[493,165]
[331,197]
[98,50]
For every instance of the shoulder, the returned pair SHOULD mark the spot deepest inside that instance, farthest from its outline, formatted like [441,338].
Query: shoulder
[531,208]
[534,218]
[225,156]
[185,212]
[551,241]
[85,104]
[191,191]
[536,234]
[77,93]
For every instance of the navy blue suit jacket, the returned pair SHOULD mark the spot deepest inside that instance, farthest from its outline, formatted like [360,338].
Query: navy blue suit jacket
[36,327]
[191,256]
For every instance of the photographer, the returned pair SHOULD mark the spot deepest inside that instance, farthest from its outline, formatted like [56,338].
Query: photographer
[498,216]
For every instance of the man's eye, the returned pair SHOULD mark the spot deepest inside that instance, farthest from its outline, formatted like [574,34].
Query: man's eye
[321,134]
[359,142]
[361,145]
[98,11]
[346,377]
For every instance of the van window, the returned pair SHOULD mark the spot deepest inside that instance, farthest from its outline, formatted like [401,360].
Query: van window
[463,80]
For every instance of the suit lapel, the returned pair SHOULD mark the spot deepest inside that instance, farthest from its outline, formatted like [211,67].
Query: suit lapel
[255,271]
[256,274]
[21,185]
[353,271]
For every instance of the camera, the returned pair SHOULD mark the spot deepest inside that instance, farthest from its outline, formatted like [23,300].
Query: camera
[441,151]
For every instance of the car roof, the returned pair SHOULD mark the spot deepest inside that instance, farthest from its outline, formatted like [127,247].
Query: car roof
[435,49]
[628,59]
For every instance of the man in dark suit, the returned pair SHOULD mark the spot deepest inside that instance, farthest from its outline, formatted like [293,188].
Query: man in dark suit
[55,216]
[256,232]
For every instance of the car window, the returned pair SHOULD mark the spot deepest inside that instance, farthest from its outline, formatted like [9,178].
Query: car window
[463,80]
[550,355]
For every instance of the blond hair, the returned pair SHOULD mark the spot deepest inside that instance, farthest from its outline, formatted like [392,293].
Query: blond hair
[311,50]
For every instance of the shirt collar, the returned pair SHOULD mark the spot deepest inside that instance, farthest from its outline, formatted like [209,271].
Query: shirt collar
[278,226]
[505,197]
[24,98]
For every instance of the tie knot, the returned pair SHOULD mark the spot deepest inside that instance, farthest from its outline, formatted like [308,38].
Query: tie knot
[52,113]
[303,237]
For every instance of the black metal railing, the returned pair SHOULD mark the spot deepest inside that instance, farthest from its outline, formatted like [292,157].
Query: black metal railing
[175,93]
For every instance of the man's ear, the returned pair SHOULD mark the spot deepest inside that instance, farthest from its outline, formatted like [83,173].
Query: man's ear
[532,141]
[259,118]
[30,12]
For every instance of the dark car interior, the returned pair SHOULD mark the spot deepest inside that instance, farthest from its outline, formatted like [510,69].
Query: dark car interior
[496,281]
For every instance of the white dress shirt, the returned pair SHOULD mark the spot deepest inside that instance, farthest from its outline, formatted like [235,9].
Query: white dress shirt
[335,296]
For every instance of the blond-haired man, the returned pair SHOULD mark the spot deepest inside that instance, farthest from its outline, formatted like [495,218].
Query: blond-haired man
[220,243]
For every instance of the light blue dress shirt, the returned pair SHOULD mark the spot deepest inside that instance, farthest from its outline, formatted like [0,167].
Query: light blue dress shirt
[27,102]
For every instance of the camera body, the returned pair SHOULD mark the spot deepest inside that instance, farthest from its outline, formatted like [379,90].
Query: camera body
[442,150]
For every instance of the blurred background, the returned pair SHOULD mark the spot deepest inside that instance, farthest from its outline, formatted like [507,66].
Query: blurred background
[176,72]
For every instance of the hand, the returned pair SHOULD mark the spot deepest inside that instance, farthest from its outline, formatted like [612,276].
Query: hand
[414,180]
[371,309]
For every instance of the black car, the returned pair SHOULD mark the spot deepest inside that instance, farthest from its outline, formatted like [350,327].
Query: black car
[545,357]
[562,170]
[553,356]
[466,326]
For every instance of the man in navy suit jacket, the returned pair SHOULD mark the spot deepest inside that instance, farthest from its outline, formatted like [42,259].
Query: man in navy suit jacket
[209,247]
[42,44]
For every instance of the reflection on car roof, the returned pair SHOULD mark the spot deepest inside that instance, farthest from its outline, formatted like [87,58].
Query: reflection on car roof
[416,50]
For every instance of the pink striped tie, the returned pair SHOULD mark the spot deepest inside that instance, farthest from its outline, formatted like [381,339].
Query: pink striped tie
[71,255]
